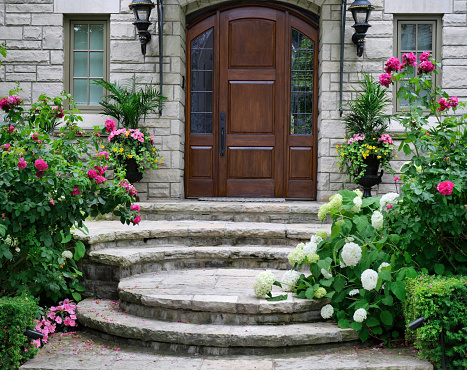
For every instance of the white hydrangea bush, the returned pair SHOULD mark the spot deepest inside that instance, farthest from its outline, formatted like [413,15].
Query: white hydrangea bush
[263,283]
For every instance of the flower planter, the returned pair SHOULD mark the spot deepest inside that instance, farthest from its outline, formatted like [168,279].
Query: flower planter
[371,176]
[132,172]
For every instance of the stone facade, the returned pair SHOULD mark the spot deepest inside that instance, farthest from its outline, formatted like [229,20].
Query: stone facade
[34,33]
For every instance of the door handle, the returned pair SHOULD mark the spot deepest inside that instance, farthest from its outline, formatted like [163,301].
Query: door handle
[222,134]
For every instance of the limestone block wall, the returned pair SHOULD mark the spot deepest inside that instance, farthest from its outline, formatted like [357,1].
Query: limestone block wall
[34,33]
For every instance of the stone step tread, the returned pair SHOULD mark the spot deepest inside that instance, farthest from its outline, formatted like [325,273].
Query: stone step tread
[105,316]
[109,231]
[129,256]
[212,290]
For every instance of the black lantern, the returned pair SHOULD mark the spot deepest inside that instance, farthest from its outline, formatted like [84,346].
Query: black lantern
[361,10]
[142,10]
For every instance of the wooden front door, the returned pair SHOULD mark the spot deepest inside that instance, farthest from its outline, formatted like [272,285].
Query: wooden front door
[251,105]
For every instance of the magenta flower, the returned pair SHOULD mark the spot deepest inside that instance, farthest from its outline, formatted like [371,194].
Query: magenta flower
[389,206]
[22,163]
[135,207]
[100,179]
[385,79]
[110,125]
[453,101]
[58,319]
[6,147]
[409,59]
[75,191]
[445,187]
[103,154]
[58,112]
[92,174]
[101,170]
[386,138]
[392,64]
[52,202]
[397,179]
[424,56]
[136,220]
[443,105]
[426,67]
[41,165]
[39,174]
[4,103]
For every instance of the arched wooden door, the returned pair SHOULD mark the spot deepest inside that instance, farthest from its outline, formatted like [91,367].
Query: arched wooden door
[251,105]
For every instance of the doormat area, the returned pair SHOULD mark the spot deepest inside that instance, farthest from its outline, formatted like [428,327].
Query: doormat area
[255,200]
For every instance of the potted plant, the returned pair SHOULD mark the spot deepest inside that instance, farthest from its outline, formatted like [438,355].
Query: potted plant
[130,148]
[368,145]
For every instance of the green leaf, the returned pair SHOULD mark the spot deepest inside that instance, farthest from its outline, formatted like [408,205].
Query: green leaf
[394,238]
[339,283]
[439,268]
[385,275]
[80,250]
[65,238]
[386,317]
[277,298]
[76,296]
[309,293]
[357,326]
[343,323]
[372,321]
[277,284]
[363,335]
[411,273]
[398,288]
[378,330]
[388,300]
[361,222]
[335,231]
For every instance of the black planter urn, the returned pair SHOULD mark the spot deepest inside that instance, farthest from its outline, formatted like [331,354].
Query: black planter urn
[132,173]
[371,176]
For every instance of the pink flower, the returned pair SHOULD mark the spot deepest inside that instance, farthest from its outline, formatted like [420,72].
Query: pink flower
[58,112]
[58,319]
[101,170]
[110,125]
[92,174]
[4,103]
[97,134]
[100,179]
[442,105]
[386,138]
[104,154]
[22,163]
[52,202]
[14,100]
[453,101]
[41,165]
[385,79]
[136,220]
[39,174]
[424,56]
[75,191]
[51,315]
[135,207]
[409,59]
[6,147]
[389,206]
[35,137]
[426,67]
[445,187]
[392,64]
[397,179]
[356,137]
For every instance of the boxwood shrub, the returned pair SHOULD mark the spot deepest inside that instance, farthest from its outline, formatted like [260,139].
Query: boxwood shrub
[16,315]
[442,301]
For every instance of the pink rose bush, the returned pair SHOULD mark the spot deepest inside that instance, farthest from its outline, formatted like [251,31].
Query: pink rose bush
[59,318]
[445,187]
[110,125]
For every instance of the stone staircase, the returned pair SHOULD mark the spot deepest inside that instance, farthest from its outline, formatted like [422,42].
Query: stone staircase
[185,285]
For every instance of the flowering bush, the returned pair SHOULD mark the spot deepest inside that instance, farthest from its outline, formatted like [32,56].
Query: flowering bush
[431,215]
[124,144]
[46,190]
[59,318]
[366,124]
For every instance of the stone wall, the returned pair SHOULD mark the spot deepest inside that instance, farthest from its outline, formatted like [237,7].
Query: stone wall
[33,31]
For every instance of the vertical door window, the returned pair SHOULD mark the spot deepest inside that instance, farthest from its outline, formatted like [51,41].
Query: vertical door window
[88,61]
[202,66]
[301,99]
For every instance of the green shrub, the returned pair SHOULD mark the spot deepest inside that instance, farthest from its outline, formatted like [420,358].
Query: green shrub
[442,301]
[16,315]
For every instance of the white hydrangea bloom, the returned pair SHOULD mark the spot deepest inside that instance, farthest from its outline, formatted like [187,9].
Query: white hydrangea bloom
[300,246]
[312,258]
[316,239]
[67,254]
[320,292]
[327,311]
[310,248]
[384,264]
[377,220]
[369,279]
[349,239]
[351,254]
[326,274]
[336,201]
[323,211]
[354,292]
[263,283]
[389,198]
[340,222]
[358,205]
[289,280]
[360,315]
[322,234]
[296,256]
[358,192]
[342,264]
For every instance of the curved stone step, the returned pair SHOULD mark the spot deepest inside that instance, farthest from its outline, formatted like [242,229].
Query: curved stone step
[212,296]
[113,234]
[104,316]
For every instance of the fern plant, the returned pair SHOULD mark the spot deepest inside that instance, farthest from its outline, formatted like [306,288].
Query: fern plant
[128,103]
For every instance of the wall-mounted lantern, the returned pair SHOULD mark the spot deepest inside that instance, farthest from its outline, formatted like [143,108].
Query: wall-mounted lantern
[142,10]
[361,10]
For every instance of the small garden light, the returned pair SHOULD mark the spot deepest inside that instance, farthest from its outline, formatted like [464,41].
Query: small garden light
[33,334]
[414,325]
[361,10]
[142,11]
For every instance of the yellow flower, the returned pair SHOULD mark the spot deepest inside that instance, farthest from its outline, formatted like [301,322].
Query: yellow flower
[153,149]
[385,153]
[397,156]
[127,133]
[102,146]
[129,156]
[121,150]
[379,157]
[374,138]
[114,149]
[162,158]
[338,164]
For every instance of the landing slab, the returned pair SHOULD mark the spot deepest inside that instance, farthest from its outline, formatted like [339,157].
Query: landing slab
[84,351]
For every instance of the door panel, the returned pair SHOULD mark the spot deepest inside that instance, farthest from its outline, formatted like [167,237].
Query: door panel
[251,104]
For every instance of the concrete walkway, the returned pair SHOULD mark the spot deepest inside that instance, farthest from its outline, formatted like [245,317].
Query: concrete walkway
[83,351]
